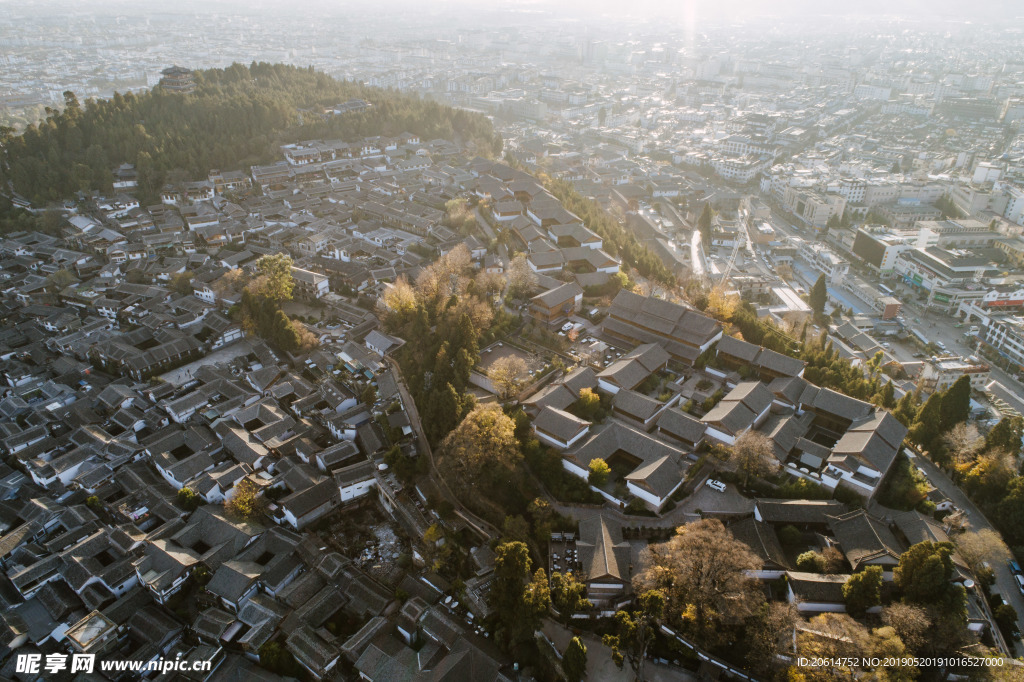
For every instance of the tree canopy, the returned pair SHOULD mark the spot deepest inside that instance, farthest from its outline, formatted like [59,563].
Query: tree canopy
[754,455]
[634,631]
[704,224]
[924,571]
[574,661]
[956,403]
[506,375]
[274,280]
[483,444]
[703,573]
[1006,435]
[818,296]
[518,600]
[599,472]
[863,590]
[447,317]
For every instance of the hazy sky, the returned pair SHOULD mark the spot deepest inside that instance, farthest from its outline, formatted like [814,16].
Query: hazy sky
[1002,10]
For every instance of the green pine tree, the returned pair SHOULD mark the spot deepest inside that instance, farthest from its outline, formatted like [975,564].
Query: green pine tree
[956,404]
[818,296]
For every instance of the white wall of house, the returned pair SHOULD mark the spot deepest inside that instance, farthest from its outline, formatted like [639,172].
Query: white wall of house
[720,436]
[234,607]
[560,444]
[289,517]
[357,489]
[230,336]
[652,501]
[575,469]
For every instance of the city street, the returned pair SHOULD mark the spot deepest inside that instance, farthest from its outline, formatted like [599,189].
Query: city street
[1005,583]
[696,255]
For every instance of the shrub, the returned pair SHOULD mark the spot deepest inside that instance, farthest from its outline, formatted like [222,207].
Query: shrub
[1006,618]
[599,472]
[811,562]
[188,500]
[802,489]
[789,536]
[849,497]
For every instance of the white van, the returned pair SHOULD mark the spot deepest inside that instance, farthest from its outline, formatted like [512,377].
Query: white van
[717,486]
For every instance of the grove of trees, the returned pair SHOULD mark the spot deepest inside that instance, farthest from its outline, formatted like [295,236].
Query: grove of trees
[261,311]
[237,116]
[447,315]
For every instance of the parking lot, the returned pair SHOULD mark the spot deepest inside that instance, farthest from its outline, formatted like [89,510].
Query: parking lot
[710,501]
[184,374]
[498,351]
[563,555]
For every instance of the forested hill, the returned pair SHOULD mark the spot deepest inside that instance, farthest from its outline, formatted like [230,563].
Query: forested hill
[234,118]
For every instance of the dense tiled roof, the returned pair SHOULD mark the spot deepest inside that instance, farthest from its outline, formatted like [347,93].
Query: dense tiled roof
[559,424]
[865,539]
[602,550]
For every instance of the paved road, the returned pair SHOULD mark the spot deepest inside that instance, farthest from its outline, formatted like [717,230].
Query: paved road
[484,225]
[696,255]
[599,659]
[184,374]
[1005,584]
[702,500]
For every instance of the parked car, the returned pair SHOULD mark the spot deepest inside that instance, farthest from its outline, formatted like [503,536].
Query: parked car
[717,486]
[1014,566]
[567,326]
[1020,582]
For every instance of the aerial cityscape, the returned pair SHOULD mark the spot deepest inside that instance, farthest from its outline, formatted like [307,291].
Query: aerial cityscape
[511,341]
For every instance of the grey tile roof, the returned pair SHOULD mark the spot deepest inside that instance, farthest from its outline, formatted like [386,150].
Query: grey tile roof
[558,295]
[740,408]
[761,538]
[835,403]
[660,476]
[812,512]
[788,389]
[636,404]
[558,424]
[233,579]
[864,538]
[580,378]
[649,319]
[304,501]
[815,587]
[681,426]
[737,349]
[602,550]
[626,373]
[875,441]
